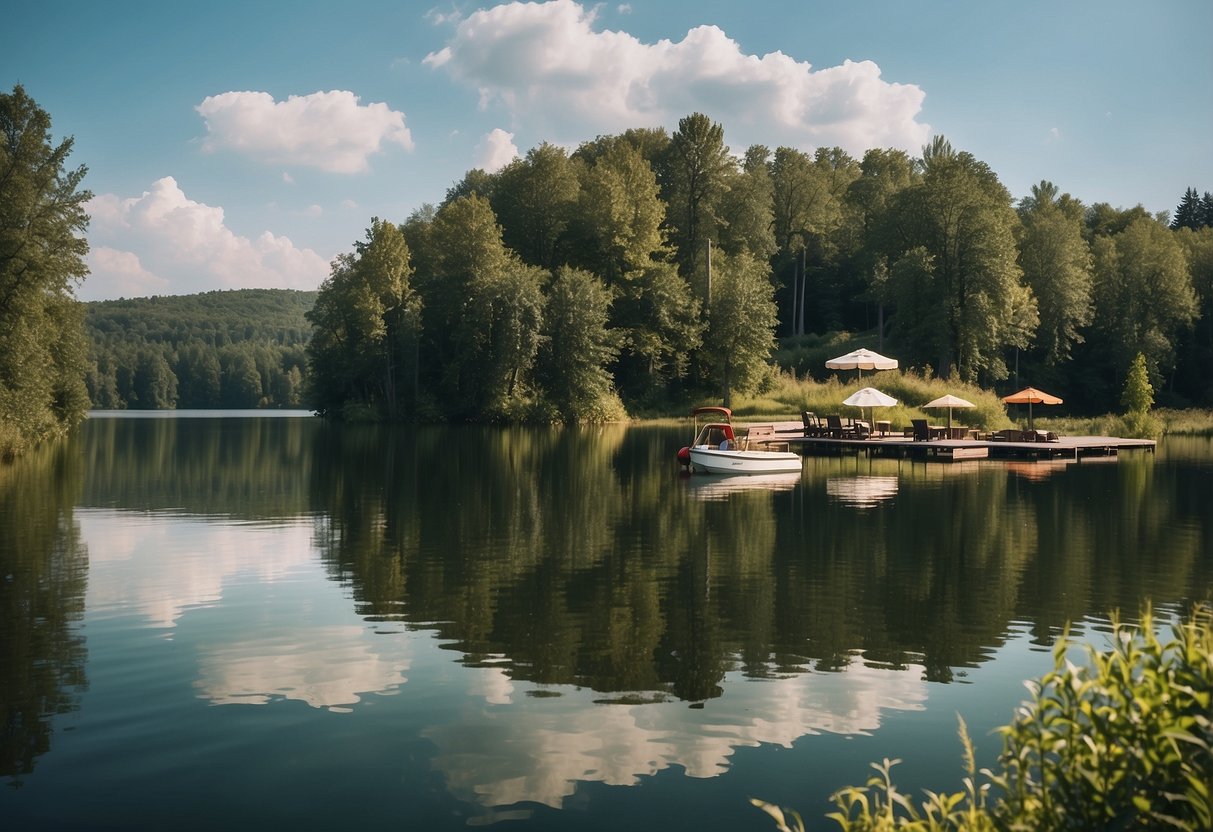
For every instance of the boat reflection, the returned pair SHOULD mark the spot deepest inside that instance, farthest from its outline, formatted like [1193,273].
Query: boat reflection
[861,491]
[712,487]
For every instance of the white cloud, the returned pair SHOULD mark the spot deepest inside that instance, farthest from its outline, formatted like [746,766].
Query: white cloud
[548,67]
[124,273]
[330,131]
[1054,134]
[495,150]
[166,243]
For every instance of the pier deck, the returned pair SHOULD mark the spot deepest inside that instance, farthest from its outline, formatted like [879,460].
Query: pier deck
[1066,447]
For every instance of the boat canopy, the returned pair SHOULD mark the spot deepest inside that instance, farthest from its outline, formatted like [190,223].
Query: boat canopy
[722,412]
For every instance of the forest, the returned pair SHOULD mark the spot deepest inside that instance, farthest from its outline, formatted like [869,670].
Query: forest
[645,269]
[234,349]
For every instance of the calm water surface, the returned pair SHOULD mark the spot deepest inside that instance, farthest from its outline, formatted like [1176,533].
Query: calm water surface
[251,622]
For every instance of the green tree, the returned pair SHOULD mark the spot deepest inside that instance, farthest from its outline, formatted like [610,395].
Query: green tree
[1188,213]
[366,318]
[660,321]
[155,382]
[741,323]
[621,213]
[574,360]
[1056,264]
[961,216]
[698,169]
[1138,395]
[1143,296]
[198,376]
[483,312]
[534,200]
[43,356]
[748,209]
[240,383]
[1194,372]
[510,310]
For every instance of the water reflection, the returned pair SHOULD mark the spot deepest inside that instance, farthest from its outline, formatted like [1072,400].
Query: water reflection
[43,576]
[861,491]
[546,747]
[582,593]
[330,667]
[712,487]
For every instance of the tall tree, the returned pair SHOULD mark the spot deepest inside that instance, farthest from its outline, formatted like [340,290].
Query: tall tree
[958,223]
[1188,213]
[659,318]
[574,360]
[1143,297]
[367,321]
[748,209]
[620,213]
[1056,264]
[741,323]
[42,247]
[534,200]
[697,171]
[484,312]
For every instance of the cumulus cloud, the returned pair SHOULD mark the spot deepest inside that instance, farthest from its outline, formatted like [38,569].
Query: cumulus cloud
[545,64]
[495,150]
[162,242]
[330,131]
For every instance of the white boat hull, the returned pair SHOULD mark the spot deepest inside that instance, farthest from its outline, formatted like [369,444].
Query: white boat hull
[716,461]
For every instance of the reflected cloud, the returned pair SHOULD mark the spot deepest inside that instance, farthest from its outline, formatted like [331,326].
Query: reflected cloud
[162,569]
[326,667]
[861,492]
[537,750]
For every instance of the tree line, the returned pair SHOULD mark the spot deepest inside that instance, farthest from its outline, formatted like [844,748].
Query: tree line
[644,268]
[234,349]
[635,272]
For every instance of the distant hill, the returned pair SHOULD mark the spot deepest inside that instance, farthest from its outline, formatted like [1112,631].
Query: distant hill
[241,348]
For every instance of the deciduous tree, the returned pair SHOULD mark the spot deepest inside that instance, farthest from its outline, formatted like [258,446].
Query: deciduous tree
[42,247]
[1056,264]
[741,322]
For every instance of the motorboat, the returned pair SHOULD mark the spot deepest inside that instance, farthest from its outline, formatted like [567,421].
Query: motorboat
[718,449]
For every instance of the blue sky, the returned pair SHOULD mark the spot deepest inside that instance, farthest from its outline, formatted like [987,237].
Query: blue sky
[245,144]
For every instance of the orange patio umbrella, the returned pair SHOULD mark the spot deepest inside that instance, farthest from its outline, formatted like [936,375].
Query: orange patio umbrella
[1031,396]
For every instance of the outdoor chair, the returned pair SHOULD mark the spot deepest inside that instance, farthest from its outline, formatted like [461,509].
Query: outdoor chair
[834,427]
[812,423]
[922,431]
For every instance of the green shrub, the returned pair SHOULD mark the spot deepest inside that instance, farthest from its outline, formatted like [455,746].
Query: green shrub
[1123,741]
[1138,395]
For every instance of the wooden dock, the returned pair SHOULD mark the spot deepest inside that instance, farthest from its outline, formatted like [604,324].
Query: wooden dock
[950,450]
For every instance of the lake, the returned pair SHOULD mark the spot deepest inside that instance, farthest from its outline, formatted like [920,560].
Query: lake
[264,621]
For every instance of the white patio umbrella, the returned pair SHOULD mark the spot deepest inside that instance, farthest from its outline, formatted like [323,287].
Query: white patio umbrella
[869,397]
[862,359]
[949,401]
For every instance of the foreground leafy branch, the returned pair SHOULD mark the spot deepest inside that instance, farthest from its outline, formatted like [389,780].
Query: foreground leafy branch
[1122,741]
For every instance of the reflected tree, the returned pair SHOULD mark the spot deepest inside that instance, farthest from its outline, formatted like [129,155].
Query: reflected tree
[44,574]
